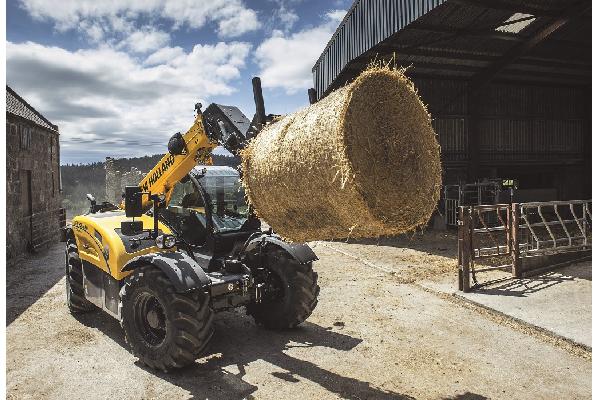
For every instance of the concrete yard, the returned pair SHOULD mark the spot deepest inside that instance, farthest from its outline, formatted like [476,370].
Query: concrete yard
[379,332]
[558,301]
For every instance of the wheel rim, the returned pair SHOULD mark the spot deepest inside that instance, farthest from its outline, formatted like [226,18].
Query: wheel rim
[274,287]
[150,319]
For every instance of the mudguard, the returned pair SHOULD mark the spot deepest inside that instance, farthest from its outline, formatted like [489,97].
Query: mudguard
[181,269]
[301,252]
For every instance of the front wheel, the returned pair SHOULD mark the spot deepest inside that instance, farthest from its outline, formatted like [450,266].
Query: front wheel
[74,281]
[291,293]
[165,329]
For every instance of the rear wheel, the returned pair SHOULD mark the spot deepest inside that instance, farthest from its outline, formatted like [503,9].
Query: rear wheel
[74,281]
[165,329]
[291,293]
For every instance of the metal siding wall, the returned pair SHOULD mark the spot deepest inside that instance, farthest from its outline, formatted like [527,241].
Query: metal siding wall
[369,22]
[526,123]
[514,139]
[450,126]
[516,123]
[534,101]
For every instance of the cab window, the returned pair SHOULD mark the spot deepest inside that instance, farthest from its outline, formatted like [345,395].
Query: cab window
[186,196]
[185,213]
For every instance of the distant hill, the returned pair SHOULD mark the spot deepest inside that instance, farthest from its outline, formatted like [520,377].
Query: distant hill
[80,179]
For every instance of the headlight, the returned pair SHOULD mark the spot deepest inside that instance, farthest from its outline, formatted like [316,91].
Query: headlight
[165,241]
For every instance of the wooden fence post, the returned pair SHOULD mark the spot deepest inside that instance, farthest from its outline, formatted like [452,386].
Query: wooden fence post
[514,232]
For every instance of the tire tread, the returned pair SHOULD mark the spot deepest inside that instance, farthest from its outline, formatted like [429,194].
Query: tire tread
[304,292]
[191,322]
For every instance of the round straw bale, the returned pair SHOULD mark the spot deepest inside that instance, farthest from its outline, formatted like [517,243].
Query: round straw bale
[362,162]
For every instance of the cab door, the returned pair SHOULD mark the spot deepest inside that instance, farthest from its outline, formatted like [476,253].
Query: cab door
[185,213]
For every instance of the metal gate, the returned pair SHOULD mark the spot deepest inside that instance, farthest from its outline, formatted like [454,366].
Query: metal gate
[479,193]
[521,237]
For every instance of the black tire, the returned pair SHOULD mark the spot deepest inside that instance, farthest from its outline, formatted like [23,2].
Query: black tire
[297,295]
[165,329]
[74,281]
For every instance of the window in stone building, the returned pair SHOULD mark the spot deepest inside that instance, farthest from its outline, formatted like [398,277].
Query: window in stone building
[25,136]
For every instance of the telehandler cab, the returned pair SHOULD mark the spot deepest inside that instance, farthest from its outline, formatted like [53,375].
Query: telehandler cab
[183,245]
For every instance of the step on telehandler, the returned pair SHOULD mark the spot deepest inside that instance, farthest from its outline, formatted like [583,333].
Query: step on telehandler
[183,245]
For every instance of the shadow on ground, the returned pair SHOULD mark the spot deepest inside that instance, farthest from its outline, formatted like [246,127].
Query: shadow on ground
[527,286]
[440,243]
[238,342]
[28,279]
[466,396]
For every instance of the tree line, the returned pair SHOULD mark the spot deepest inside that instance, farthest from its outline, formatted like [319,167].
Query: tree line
[81,179]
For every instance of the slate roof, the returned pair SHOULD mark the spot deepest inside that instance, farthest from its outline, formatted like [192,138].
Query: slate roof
[17,106]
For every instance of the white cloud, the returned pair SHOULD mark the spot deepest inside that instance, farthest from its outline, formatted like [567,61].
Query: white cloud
[105,94]
[336,15]
[285,15]
[166,55]
[232,17]
[286,61]
[288,18]
[145,40]
[237,24]
[94,31]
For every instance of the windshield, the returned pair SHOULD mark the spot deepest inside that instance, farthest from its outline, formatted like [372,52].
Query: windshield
[227,201]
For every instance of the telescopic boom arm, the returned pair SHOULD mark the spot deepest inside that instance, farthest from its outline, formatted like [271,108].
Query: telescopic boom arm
[185,152]
[217,125]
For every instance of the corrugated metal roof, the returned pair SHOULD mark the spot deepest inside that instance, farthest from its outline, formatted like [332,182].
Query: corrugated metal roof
[366,23]
[460,39]
[17,106]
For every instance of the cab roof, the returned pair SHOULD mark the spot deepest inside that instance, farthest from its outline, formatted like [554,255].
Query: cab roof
[215,170]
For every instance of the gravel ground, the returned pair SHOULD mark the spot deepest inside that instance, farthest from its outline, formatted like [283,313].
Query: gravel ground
[372,336]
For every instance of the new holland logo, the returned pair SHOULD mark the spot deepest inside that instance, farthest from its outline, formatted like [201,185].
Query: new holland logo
[79,226]
[158,173]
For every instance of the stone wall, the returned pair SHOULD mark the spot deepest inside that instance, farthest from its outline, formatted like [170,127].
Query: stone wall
[117,180]
[33,212]
[113,181]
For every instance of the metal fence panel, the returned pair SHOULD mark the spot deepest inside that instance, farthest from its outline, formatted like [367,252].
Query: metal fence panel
[514,233]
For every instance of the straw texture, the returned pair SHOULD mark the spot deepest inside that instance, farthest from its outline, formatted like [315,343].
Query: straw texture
[362,162]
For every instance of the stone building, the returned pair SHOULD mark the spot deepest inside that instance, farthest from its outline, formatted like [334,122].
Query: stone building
[33,188]
[117,180]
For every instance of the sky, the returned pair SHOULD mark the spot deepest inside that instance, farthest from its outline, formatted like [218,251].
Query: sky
[119,77]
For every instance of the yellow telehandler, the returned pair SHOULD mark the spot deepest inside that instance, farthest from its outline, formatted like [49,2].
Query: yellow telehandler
[183,245]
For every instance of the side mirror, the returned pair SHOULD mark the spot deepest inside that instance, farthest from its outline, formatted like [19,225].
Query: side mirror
[92,200]
[133,201]
[130,228]
[176,145]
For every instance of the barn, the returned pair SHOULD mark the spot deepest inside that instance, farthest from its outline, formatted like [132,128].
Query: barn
[33,199]
[508,84]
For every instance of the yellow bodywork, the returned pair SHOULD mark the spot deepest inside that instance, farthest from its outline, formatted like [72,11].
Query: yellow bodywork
[99,244]
[97,241]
